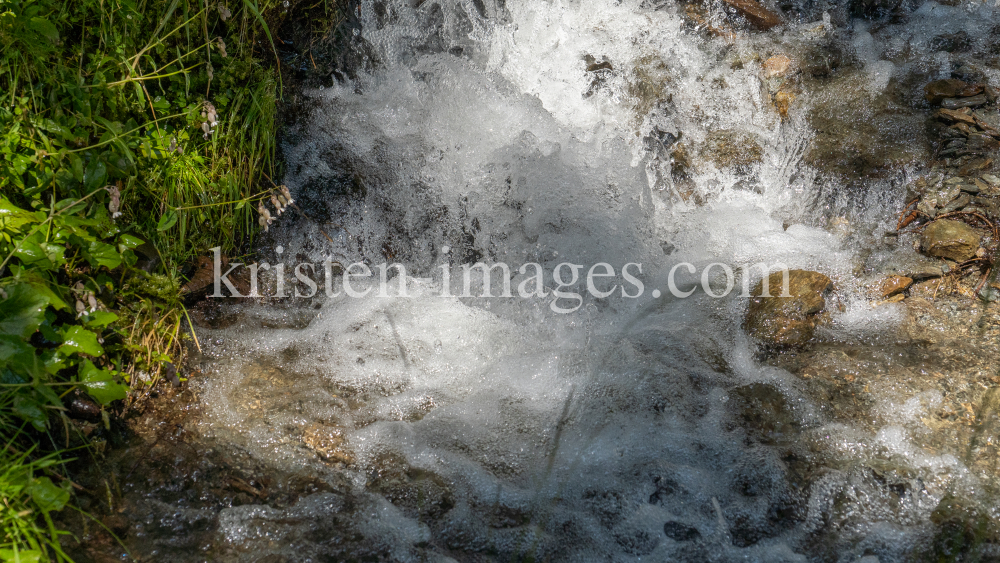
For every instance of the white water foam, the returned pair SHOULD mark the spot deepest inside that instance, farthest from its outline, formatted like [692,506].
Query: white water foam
[589,431]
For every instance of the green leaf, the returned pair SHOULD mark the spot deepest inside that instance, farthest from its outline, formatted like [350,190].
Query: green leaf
[167,220]
[47,495]
[18,356]
[103,254]
[35,251]
[42,287]
[81,340]
[101,384]
[22,311]
[44,28]
[28,408]
[129,242]
[53,361]
[20,556]
[13,218]
[76,163]
[95,175]
[100,319]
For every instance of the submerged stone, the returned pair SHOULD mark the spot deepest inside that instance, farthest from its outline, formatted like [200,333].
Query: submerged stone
[891,285]
[680,532]
[787,321]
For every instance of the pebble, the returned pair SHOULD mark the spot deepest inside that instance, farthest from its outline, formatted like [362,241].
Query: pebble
[891,285]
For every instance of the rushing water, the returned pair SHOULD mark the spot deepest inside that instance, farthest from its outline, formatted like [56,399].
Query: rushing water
[633,428]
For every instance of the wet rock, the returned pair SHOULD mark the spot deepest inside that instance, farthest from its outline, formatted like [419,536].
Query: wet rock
[968,73]
[874,9]
[959,202]
[952,42]
[764,413]
[756,13]
[970,102]
[938,195]
[822,59]
[636,541]
[984,452]
[777,66]
[840,227]
[910,265]
[977,165]
[81,406]
[950,239]
[939,90]
[417,491]
[727,148]
[680,532]
[858,136]
[783,102]
[791,320]
[963,526]
[329,442]
[956,116]
[981,143]
[891,285]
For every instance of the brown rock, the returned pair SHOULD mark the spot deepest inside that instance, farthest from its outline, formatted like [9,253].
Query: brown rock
[950,239]
[329,442]
[956,116]
[777,66]
[787,321]
[756,13]
[891,285]
[782,101]
[937,91]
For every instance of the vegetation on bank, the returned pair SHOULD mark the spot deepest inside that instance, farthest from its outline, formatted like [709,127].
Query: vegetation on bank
[134,135]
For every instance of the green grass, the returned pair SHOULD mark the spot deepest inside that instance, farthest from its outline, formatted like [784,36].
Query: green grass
[29,494]
[132,133]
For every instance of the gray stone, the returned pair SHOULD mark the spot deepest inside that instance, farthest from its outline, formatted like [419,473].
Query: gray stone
[958,203]
[970,102]
[908,264]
